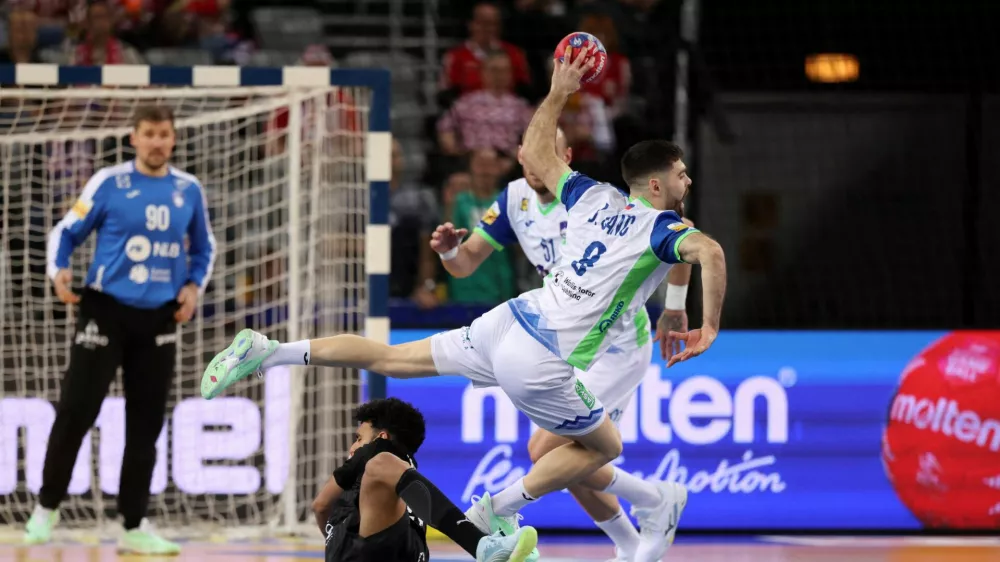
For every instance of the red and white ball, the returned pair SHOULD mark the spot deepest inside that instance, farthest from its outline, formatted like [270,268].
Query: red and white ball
[941,446]
[581,43]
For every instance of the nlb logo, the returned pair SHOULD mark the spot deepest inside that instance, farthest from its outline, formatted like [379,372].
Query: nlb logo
[940,444]
[700,411]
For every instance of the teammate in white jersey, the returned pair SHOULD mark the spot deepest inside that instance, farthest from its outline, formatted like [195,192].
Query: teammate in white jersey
[528,214]
[617,252]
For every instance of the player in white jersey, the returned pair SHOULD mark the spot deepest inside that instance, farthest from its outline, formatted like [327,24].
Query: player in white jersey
[528,214]
[617,252]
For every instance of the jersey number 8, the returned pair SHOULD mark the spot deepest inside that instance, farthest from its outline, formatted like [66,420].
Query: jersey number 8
[590,257]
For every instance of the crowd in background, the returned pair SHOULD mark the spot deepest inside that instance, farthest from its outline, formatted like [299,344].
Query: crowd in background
[488,86]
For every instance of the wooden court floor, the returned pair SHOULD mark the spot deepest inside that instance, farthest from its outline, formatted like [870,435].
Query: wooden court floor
[701,549]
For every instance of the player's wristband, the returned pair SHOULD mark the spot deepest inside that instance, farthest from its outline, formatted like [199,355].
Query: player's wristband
[676,297]
[450,254]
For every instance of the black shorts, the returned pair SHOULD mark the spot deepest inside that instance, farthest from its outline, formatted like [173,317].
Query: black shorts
[402,541]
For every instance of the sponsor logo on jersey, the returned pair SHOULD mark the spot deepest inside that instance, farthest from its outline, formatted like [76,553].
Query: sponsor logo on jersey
[524,203]
[160,275]
[181,185]
[491,214]
[91,337]
[166,249]
[678,226]
[132,194]
[139,274]
[562,230]
[81,208]
[607,322]
[585,394]
[138,248]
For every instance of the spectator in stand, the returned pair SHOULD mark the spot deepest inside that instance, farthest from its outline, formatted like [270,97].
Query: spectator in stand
[463,64]
[490,118]
[536,26]
[494,281]
[413,215]
[98,45]
[614,84]
[22,38]
[57,19]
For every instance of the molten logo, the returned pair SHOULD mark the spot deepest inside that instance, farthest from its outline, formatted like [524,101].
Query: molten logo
[941,441]
[946,417]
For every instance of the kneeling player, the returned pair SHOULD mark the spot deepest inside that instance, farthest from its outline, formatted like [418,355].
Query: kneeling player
[374,508]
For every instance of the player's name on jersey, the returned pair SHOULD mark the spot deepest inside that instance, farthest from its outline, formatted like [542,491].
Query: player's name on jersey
[571,289]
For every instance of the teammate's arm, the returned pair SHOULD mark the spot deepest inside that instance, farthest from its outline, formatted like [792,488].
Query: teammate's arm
[85,215]
[539,149]
[492,233]
[471,254]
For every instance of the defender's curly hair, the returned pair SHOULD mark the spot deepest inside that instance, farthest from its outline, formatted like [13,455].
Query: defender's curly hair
[403,422]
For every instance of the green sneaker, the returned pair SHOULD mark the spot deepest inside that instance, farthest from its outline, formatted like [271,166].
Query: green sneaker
[143,540]
[482,516]
[238,361]
[39,527]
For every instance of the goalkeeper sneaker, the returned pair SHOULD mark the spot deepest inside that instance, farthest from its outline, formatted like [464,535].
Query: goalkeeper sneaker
[143,540]
[658,524]
[515,548]
[241,359]
[482,516]
[39,527]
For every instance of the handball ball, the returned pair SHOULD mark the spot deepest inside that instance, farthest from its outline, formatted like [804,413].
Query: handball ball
[941,446]
[581,43]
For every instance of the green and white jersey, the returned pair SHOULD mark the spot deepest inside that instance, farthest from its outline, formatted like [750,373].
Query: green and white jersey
[617,252]
[518,216]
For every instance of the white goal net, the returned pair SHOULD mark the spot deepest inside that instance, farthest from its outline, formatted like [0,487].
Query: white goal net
[288,211]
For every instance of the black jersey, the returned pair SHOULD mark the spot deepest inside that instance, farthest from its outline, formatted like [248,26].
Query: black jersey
[345,516]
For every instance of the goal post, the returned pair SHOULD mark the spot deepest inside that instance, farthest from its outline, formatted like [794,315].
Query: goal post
[295,164]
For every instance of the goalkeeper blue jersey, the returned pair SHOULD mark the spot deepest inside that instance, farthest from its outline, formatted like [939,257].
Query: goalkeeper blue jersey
[153,235]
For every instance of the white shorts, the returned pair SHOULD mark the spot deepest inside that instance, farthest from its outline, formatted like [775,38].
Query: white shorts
[496,351]
[616,376]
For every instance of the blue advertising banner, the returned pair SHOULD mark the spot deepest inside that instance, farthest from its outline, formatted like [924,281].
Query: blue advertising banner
[768,430]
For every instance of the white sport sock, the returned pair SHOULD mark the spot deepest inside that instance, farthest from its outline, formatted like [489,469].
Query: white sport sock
[510,500]
[635,491]
[293,353]
[620,530]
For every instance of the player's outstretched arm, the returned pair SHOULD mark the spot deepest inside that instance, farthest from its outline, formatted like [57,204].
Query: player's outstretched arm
[539,149]
[674,317]
[697,248]
[460,259]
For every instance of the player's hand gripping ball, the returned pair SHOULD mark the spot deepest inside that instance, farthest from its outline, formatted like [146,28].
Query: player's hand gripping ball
[941,447]
[584,44]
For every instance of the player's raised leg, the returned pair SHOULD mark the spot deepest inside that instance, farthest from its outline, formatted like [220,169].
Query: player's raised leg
[252,353]
[451,353]
[390,488]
